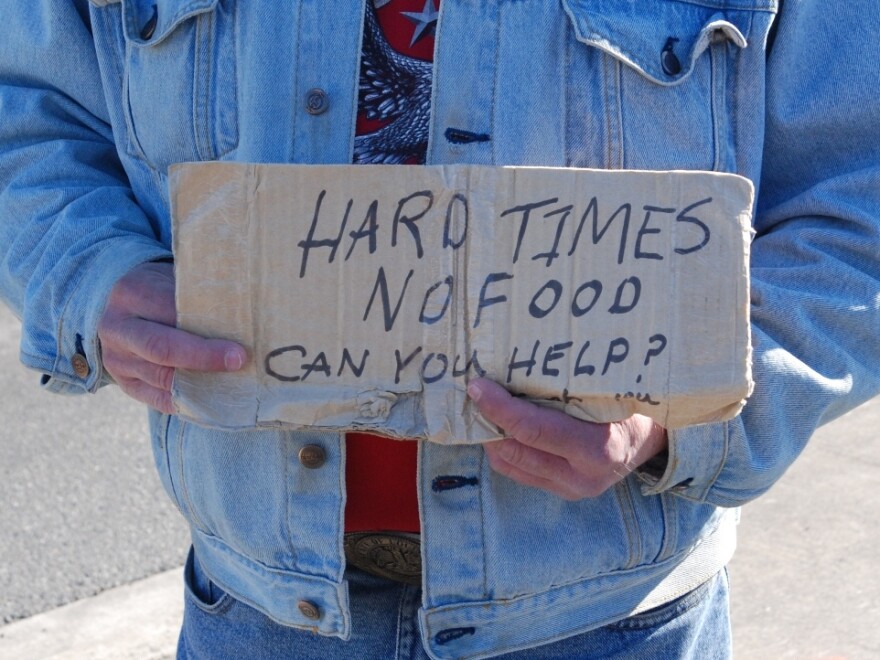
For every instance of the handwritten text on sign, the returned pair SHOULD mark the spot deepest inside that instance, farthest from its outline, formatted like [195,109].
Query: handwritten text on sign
[372,295]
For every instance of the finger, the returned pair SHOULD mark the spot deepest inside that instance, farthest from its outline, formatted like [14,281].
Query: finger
[170,347]
[546,467]
[146,393]
[543,428]
[128,366]
[147,292]
[159,309]
[540,464]
[527,479]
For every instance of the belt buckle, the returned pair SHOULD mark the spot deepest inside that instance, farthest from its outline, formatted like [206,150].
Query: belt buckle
[393,555]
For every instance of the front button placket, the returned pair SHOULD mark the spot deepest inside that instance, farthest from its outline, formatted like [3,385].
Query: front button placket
[452,479]
[463,102]
[451,483]
[327,50]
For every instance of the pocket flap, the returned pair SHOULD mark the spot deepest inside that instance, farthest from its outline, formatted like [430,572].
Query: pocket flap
[638,33]
[148,22]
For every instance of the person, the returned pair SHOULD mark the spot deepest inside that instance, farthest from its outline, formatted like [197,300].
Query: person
[566,539]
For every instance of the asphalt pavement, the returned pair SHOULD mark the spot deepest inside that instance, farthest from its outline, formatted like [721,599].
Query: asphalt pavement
[91,549]
[81,506]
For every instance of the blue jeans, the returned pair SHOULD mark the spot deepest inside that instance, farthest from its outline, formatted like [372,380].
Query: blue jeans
[385,626]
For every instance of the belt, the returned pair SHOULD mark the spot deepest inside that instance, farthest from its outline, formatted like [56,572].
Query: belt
[393,555]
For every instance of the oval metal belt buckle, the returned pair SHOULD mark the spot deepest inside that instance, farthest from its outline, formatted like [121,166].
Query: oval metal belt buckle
[393,555]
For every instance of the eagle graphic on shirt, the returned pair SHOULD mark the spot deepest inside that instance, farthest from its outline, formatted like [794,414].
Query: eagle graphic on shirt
[394,99]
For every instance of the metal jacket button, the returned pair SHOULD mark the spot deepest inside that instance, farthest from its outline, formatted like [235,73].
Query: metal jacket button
[150,26]
[312,456]
[80,365]
[317,101]
[309,610]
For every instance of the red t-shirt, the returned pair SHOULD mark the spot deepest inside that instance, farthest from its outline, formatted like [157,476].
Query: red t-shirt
[392,127]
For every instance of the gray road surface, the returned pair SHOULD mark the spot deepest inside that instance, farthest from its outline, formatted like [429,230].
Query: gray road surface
[81,508]
[806,575]
[82,512]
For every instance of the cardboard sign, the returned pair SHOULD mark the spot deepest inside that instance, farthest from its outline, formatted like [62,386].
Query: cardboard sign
[368,297]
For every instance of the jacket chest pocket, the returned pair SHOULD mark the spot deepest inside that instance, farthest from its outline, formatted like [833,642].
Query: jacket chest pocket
[676,78]
[180,91]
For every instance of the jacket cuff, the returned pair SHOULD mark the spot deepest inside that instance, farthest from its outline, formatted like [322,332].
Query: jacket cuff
[77,366]
[696,456]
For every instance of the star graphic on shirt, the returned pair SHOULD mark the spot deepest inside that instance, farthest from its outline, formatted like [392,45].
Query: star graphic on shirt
[426,21]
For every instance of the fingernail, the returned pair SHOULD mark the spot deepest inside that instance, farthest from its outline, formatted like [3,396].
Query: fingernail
[233,360]
[474,391]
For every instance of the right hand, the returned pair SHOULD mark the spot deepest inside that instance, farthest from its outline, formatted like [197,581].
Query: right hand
[140,345]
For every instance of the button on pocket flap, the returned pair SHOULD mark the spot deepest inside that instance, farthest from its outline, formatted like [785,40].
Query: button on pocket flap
[148,22]
[661,40]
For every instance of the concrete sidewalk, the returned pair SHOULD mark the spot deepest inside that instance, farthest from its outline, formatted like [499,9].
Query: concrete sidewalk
[139,621]
[805,579]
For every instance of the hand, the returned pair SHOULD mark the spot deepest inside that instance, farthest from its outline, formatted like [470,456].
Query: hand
[558,453]
[140,346]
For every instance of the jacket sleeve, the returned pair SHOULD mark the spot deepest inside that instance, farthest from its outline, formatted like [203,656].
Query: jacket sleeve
[815,264]
[69,223]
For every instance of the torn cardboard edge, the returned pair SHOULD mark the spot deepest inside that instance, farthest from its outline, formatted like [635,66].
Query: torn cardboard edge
[368,297]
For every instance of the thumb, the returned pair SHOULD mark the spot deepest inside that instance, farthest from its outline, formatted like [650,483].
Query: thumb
[498,406]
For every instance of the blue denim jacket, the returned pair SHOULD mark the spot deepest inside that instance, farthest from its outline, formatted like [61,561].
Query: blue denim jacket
[97,100]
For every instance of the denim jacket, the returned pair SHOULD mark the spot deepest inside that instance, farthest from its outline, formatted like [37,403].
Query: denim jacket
[98,99]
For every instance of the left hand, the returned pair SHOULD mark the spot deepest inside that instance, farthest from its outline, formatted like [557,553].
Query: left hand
[548,449]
